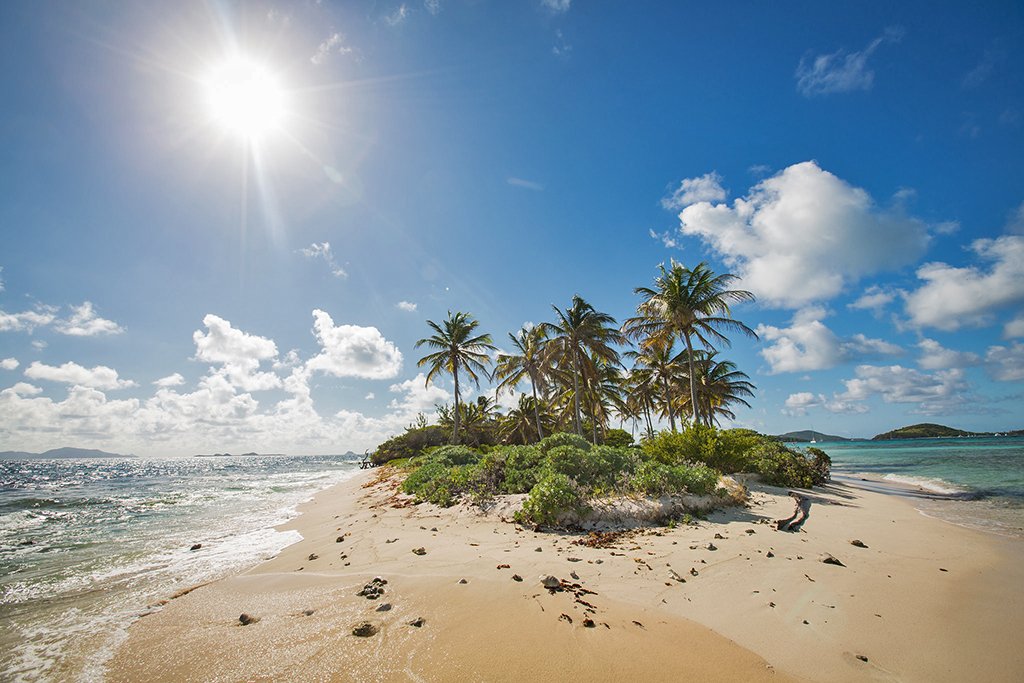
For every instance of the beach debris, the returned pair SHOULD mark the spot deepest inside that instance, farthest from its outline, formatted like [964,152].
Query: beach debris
[418,622]
[771,604]
[246,619]
[638,623]
[806,622]
[504,566]
[600,539]
[385,607]
[675,576]
[808,578]
[419,551]
[195,546]
[711,546]
[862,658]
[340,539]
[551,583]
[313,556]
[374,589]
[365,630]
[750,531]
[693,571]
[799,516]
[859,543]
[589,623]
[830,559]
[538,549]
[463,581]
[575,559]
[599,561]
[943,569]
[516,577]
[719,537]
[565,617]
[574,575]
[307,612]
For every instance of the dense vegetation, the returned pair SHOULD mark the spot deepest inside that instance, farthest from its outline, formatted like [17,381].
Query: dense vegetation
[925,430]
[563,473]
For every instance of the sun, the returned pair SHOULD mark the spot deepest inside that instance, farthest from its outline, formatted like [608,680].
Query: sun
[245,98]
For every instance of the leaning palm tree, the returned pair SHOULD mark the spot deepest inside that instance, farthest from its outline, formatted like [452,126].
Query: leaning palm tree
[688,304]
[457,348]
[663,370]
[721,385]
[581,336]
[526,362]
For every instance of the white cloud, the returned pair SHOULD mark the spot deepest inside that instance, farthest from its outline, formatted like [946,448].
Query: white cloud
[1006,363]
[370,396]
[526,184]
[333,44]
[353,351]
[9,364]
[25,389]
[1015,221]
[665,238]
[797,405]
[99,377]
[934,356]
[561,48]
[808,344]
[85,322]
[419,397]
[705,188]
[27,321]
[433,6]
[874,299]
[935,393]
[952,297]
[238,353]
[1,279]
[39,345]
[407,306]
[170,381]
[802,235]
[840,71]
[557,6]
[323,250]
[1014,328]
[400,14]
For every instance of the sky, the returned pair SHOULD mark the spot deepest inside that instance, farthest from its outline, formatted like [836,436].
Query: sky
[224,225]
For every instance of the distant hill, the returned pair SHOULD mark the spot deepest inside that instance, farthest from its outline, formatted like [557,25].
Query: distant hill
[61,453]
[924,430]
[806,436]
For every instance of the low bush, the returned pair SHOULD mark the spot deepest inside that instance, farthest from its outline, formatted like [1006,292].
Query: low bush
[522,468]
[781,466]
[554,495]
[618,438]
[455,455]
[414,442]
[563,439]
[657,479]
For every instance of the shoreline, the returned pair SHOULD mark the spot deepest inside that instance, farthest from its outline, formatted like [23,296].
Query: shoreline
[920,602]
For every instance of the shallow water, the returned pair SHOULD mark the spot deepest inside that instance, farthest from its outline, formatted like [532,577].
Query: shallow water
[86,545]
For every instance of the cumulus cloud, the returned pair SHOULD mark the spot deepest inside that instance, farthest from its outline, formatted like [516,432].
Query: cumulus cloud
[841,71]
[170,381]
[27,321]
[353,351]
[9,364]
[798,405]
[417,396]
[557,6]
[85,322]
[803,234]
[1006,363]
[953,297]
[323,250]
[407,306]
[333,44]
[370,396]
[1015,221]
[934,356]
[239,354]
[935,393]
[99,377]
[665,238]
[1014,328]
[808,344]
[874,299]
[705,188]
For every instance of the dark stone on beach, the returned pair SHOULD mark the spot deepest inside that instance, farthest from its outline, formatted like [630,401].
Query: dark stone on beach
[693,572]
[575,559]
[516,577]
[589,623]
[504,566]
[374,589]
[419,551]
[829,559]
[365,630]
[806,622]
[307,613]
[551,583]
[246,619]
[771,604]
[418,622]
[574,575]
[675,576]
[31,542]
[859,543]
[720,537]
[195,546]
[385,607]
[463,581]
[711,546]
[862,658]
[565,617]
[538,549]
[433,528]
[943,569]
[751,531]
[339,539]
[313,556]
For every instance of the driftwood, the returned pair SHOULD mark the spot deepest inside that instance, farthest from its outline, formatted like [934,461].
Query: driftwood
[799,516]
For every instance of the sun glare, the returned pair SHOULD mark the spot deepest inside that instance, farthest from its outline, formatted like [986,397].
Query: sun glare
[245,98]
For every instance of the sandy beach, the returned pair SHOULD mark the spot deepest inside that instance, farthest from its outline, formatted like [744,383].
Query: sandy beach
[925,600]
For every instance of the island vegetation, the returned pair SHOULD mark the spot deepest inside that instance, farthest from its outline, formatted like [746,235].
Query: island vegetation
[559,445]
[927,430]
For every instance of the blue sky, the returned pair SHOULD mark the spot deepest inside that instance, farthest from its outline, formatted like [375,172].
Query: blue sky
[170,285]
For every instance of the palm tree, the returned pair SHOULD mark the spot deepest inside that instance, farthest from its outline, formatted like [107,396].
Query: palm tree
[664,371]
[519,426]
[527,361]
[581,336]
[457,348]
[721,385]
[688,304]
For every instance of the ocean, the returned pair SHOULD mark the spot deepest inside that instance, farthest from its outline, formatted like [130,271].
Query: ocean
[87,545]
[974,482]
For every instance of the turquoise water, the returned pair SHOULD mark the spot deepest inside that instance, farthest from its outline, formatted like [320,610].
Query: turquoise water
[86,545]
[978,482]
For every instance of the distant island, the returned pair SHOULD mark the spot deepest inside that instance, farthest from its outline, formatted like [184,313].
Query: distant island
[65,452]
[927,430]
[807,436]
[234,455]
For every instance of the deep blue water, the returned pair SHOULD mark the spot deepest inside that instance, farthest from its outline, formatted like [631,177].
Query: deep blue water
[86,545]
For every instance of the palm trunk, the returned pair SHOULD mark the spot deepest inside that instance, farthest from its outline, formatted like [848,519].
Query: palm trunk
[455,422]
[668,404]
[576,392]
[693,379]
[536,406]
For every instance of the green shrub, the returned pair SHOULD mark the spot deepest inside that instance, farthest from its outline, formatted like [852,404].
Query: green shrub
[657,479]
[694,443]
[571,461]
[610,467]
[408,445]
[563,439]
[522,468]
[735,446]
[455,455]
[618,438]
[821,466]
[554,495]
[781,466]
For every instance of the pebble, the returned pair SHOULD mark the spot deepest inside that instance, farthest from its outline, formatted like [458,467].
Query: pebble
[859,543]
[516,577]
[365,630]
[419,551]
[195,546]
[386,607]
[463,581]
[246,619]
[418,622]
